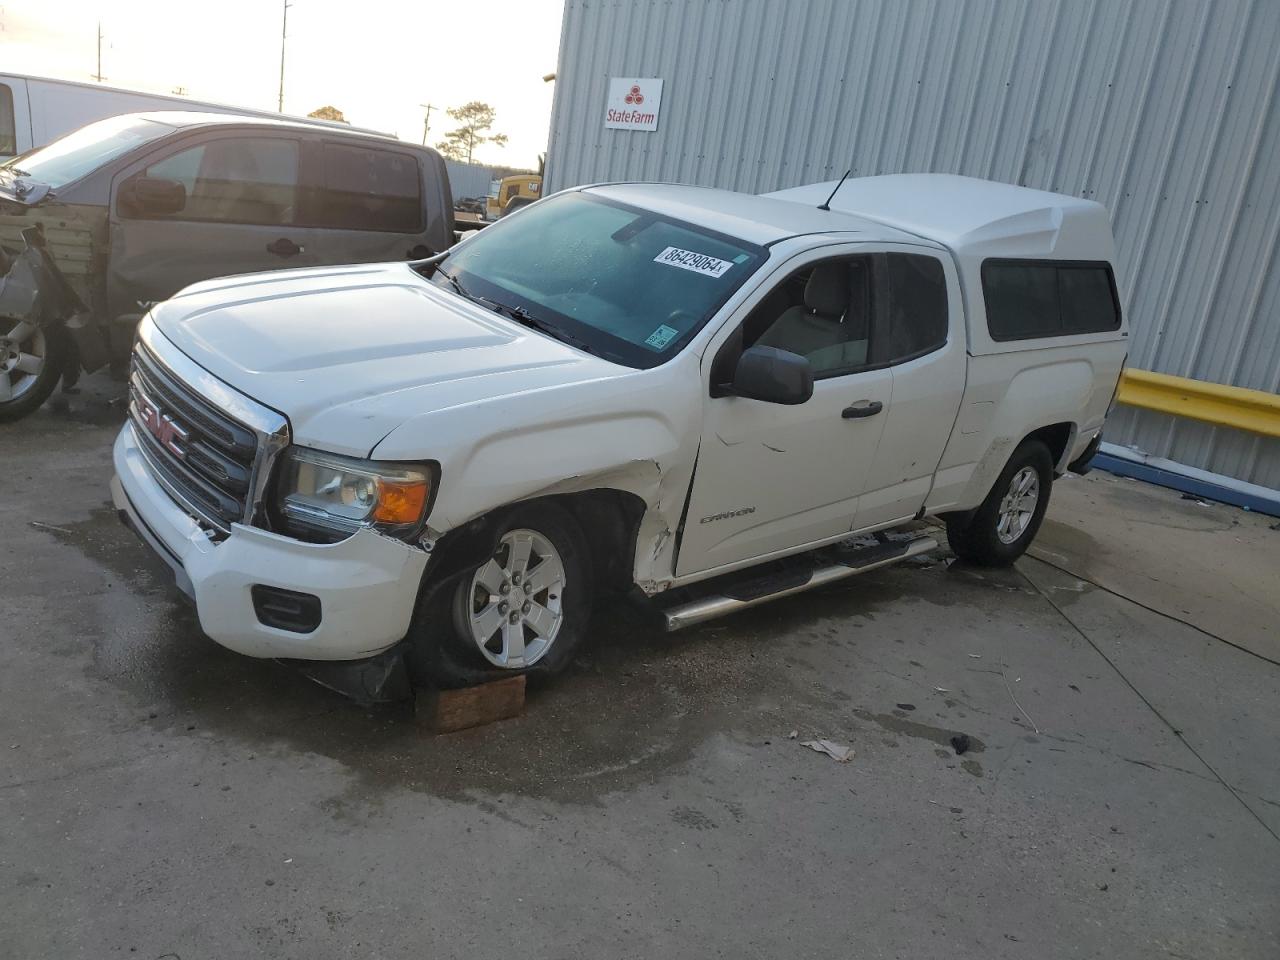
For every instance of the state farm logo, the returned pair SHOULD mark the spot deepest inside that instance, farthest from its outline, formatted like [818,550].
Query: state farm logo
[160,425]
[633,103]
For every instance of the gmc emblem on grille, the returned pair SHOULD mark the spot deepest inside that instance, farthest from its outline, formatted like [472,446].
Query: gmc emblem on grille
[161,426]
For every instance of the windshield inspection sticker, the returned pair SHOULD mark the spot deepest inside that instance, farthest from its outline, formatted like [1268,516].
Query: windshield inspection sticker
[661,337]
[689,260]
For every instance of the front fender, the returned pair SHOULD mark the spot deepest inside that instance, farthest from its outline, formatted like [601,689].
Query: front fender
[637,433]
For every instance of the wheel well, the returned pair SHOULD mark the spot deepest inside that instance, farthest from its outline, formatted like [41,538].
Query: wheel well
[609,519]
[1056,437]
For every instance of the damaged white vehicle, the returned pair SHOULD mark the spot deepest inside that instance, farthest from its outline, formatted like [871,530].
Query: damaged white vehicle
[701,398]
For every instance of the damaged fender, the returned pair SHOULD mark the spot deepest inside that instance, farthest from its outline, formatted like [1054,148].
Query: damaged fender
[556,443]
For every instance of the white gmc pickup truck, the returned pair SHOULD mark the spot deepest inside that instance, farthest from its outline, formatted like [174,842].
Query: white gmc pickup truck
[701,398]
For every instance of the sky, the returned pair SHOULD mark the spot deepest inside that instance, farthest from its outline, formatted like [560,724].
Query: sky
[375,60]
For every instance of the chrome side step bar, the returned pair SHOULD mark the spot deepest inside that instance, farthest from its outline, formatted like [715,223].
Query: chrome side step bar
[720,604]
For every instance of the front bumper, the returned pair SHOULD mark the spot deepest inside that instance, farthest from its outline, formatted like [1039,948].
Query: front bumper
[367,584]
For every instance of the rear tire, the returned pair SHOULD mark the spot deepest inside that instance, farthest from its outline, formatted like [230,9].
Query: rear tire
[31,361]
[523,610]
[1002,528]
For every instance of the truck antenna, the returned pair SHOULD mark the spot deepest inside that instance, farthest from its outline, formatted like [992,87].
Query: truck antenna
[826,204]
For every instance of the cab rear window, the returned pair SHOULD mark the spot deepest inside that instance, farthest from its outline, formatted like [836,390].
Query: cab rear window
[1031,299]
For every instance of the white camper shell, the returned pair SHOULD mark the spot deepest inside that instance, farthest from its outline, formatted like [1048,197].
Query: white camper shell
[977,220]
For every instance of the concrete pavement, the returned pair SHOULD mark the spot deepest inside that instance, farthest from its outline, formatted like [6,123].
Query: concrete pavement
[163,797]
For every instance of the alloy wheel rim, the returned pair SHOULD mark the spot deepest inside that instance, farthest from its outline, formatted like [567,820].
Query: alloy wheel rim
[23,354]
[1018,506]
[515,606]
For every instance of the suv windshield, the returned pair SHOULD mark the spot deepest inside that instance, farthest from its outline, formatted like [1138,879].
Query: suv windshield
[81,152]
[625,283]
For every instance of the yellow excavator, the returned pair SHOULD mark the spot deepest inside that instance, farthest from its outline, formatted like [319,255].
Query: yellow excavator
[512,193]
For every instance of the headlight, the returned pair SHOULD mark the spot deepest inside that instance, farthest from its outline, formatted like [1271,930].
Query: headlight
[323,496]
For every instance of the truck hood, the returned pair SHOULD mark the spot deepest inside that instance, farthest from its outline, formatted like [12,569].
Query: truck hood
[349,353]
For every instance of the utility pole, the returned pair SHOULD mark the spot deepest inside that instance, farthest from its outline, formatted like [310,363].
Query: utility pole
[98,76]
[426,123]
[284,27]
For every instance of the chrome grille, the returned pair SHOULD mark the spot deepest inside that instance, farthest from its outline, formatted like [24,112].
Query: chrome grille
[213,464]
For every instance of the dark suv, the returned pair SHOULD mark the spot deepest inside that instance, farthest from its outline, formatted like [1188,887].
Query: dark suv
[97,226]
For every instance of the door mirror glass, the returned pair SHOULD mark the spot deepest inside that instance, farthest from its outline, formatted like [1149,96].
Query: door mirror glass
[153,196]
[773,375]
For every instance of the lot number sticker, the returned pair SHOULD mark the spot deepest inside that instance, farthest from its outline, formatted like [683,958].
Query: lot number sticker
[691,260]
[661,337]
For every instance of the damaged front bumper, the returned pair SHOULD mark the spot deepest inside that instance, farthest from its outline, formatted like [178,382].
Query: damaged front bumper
[365,586]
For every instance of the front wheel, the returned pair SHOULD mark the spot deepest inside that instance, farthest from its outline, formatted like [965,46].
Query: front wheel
[523,610]
[31,360]
[1000,530]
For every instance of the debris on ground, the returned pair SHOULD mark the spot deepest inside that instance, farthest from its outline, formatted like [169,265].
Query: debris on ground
[40,525]
[961,743]
[905,706]
[793,734]
[837,752]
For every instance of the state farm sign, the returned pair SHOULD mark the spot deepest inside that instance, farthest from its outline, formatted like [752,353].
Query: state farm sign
[633,104]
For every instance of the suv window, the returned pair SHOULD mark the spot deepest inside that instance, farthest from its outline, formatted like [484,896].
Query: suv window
[1026,299]
[8,130]
[367,189]
[241,180]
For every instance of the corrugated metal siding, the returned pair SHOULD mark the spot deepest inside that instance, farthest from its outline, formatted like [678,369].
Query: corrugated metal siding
[471,179]
[1164,110]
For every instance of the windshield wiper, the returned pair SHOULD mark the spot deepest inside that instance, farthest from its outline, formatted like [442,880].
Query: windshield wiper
[522,316]
[519,314]
[464,292]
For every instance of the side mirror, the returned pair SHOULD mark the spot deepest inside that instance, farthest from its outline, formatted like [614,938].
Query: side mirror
[152,196]
[773,375]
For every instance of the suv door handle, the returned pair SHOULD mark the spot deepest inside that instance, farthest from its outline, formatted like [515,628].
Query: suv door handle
[862,409]
[284,247]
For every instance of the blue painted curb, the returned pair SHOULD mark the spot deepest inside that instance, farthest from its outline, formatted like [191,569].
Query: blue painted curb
[1175,481]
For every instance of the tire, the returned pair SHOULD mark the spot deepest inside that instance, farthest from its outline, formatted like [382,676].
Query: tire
[445,649]
[21,346]
[1001,529]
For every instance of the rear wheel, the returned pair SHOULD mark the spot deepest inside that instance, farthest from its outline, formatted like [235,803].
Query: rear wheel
[523,610]
[1000,530]
[31,360]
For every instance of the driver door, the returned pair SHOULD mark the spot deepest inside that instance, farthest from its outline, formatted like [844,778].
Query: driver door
[772,477]
[240,216]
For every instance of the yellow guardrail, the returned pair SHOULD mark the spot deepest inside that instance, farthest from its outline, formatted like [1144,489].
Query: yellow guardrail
[1254,410]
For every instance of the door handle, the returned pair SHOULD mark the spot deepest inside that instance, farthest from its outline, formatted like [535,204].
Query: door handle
[284,247]
[862,409]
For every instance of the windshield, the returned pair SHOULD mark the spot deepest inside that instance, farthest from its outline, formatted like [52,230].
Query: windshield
[81,152]
[624,283]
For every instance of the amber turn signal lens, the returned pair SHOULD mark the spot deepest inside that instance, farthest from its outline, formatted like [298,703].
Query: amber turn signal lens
[401,502]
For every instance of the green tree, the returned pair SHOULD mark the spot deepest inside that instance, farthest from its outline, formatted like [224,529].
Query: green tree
[328,113]
[474,120]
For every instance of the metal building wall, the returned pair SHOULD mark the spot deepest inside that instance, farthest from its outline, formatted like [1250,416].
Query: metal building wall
[1164,110]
